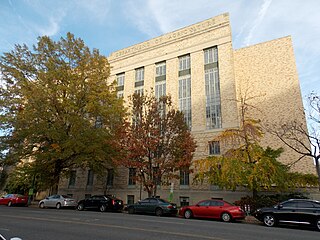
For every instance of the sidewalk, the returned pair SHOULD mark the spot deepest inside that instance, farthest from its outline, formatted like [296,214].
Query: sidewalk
[251,219]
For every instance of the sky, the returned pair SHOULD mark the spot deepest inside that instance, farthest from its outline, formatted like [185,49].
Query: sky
[111,25]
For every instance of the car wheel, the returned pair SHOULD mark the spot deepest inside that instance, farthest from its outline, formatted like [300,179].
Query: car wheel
[159,212]
[269,220]
[226,217]
[9,204]
[131,210]
[80,207]
[188,214]
[41,205]
[318,224]
[103,208]
[58,206]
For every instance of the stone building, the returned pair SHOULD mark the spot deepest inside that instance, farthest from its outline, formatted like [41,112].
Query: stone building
[199,68]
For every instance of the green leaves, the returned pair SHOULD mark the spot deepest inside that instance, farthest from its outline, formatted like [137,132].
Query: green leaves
[51,99]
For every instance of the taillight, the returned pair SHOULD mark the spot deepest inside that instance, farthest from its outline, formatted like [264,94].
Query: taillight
[113,202]
[170,207]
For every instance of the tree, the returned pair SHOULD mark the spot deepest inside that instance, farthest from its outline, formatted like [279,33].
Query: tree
[158,141]
[297,137]
[57,109]
[245,163]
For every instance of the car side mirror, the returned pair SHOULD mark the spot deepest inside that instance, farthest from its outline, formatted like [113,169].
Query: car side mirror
[197,205]
[280,206]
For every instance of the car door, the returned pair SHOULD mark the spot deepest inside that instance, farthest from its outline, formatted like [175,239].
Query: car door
[202,209]
[215,209]
[5,199]
[152,205]
[92,202]
[53,200]
[287,212]
[142,205]
[306,212]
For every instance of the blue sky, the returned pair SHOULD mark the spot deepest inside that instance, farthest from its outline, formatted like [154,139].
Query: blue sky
[110,25]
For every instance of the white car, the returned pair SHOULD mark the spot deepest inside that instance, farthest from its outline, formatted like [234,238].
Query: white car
[58,201]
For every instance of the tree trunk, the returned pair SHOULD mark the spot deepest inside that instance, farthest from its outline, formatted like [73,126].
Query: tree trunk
[318,169]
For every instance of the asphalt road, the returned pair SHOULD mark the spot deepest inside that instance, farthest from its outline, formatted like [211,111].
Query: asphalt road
[31,223]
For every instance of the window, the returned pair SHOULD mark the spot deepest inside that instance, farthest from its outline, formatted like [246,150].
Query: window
[120,83]
[139,91]
[110,176]
[212,87]
[139,81]
[184,201]
[132,176]
[130,199]
[210,55]
[184,62]
[72,178]
[214,148]
[185,99]
[120,79]
[139,74]
[161,69]
[204,203]
[98,123]
[90,178]
[184,177]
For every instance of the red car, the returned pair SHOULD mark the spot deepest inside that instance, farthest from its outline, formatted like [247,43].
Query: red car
[213,208]
[14,199]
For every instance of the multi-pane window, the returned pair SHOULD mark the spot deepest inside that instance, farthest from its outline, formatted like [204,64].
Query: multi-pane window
[132,176]
[161,69]
[139,74]
[110,177]
[184,177]
[185,88]
[214,148]
[139,81]
[184,62]
[90,178]
[212,86]
[210,55]
[120,84]
[160,86]
[185,99]
[72,179]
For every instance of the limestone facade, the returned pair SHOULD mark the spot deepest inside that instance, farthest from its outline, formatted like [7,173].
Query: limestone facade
[265,70]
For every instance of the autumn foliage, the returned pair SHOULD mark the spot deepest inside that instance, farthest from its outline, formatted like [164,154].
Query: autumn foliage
[158,142]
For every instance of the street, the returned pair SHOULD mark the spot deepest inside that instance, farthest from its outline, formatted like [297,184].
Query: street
[31,223]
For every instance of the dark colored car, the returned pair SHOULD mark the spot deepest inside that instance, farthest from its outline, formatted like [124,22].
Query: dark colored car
[155,206]
[293,211]
[101,202]
[212,208]
[14,200]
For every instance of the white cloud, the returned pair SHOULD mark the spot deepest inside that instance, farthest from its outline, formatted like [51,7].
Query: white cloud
[261,15]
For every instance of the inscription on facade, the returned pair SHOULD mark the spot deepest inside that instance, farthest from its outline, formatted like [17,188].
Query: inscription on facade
[210,23]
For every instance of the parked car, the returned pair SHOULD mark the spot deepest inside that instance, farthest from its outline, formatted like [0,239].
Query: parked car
[14,238]
[292,211]
[101,202]
[14,200]
[58,201]
[155,206]
[213,208]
